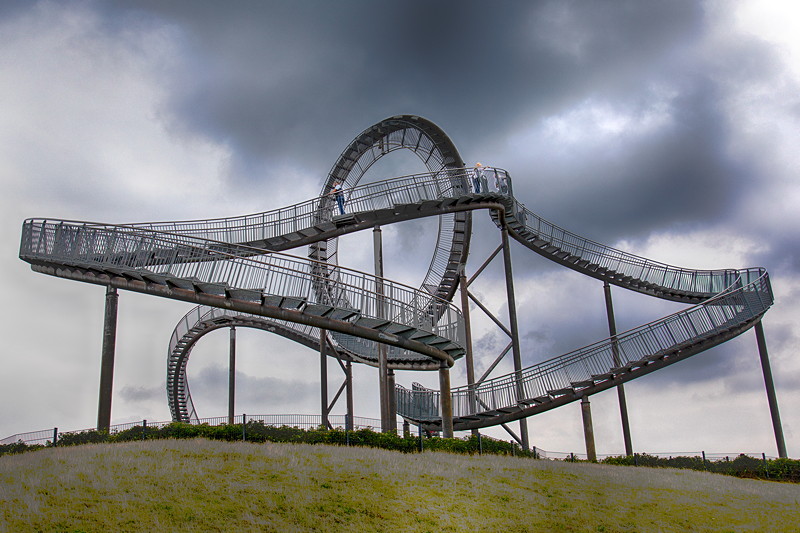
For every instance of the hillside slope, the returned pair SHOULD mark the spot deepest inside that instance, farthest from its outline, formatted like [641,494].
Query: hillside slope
[200,485]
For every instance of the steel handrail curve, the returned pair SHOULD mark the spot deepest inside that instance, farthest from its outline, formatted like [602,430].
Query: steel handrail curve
[744,301]
[196,318]
[449,183]
[702,282]
[303,215]
[215,262]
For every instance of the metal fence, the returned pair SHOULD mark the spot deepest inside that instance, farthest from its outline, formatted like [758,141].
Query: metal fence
[706,456]
[46,436]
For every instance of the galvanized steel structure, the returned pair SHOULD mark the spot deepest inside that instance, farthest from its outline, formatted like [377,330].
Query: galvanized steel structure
[234,269]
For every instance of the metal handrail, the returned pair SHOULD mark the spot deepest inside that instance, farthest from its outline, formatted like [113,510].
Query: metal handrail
[703,283]
[226,265]
[744,301]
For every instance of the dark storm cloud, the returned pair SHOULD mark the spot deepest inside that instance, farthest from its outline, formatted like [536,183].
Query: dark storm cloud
[678,176]
[781,256]
[294,82]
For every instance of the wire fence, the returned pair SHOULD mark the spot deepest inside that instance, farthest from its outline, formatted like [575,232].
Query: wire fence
[49,436]
[702,454]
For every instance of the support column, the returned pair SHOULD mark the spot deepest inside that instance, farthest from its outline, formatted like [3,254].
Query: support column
[445,400]
[771,398]
[323,378]
[462,281]
[107,359]
[383,366]
[391,401]
[588,429]
[232,376]
[349,425]
[623,404]
[512,318]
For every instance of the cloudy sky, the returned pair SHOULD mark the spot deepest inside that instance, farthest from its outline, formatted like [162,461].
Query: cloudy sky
[666,129]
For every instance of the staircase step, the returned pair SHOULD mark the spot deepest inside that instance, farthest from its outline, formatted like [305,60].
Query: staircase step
[250,295]
[341,313]
[212,288]
[372,323]
[293,302]
[317,309]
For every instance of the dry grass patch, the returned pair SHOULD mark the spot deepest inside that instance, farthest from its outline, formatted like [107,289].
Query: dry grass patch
[201,485]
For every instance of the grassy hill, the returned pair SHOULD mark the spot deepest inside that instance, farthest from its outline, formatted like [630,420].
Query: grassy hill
[202,485]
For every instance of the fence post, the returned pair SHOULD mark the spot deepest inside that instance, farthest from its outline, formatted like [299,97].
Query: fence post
[419,428]
[144,428]
[704,459]
[244,430]
[55,436]
[480,444]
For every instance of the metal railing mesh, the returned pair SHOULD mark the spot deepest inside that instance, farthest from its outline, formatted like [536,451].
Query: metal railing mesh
[744,301]
[224,266]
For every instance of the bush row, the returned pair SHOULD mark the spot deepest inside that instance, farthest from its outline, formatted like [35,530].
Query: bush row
[257,431]
[741,466]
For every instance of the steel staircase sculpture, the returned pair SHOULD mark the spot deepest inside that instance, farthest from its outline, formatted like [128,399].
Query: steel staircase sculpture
[235,270]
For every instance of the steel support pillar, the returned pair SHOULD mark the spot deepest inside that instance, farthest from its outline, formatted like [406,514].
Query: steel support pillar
[771,398]
[232,376]
[323,378]
[623,404]
[107,359]
[462,281]
[446,400]
[349,392]
[383,366]
[512,319]
[391,400]
[588,429]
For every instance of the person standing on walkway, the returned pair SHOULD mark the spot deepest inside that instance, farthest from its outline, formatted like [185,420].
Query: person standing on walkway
[338,193]
[478,177]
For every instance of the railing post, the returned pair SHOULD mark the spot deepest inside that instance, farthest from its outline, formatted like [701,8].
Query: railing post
[512,318]
[623,404]
[771,398]
[107,359]
[55,436]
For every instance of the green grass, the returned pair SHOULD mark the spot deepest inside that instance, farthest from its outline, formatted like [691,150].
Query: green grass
[202,485]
